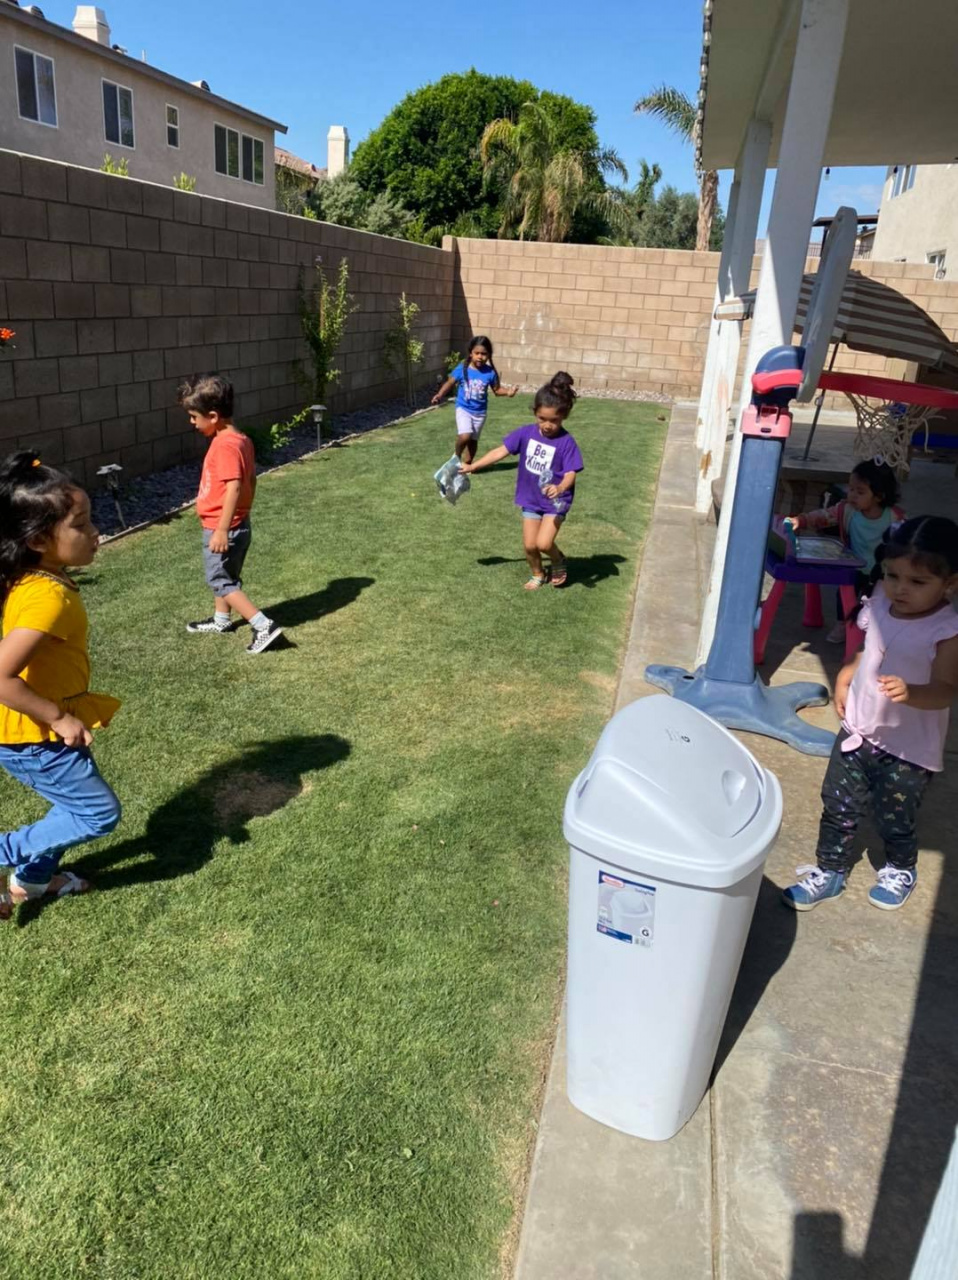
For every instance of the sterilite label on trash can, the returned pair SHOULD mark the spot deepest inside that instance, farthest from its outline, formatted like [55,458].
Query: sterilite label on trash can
[626,909]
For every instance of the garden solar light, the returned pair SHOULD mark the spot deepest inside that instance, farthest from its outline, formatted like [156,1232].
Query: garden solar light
[111,478]
[317,410]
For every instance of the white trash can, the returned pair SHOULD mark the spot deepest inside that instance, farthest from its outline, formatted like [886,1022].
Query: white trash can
[669,826]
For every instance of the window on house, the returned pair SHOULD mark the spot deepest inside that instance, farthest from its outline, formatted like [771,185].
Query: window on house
[226,149]
[36,91]
[903,180]
[937,260]
[118,114]
[172,126]
[238,155]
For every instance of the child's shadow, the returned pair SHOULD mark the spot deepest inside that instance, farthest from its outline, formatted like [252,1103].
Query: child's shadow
[584,571]
[181,834]
[337,594]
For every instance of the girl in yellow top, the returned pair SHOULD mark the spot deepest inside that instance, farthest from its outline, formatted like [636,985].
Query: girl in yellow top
[46,708]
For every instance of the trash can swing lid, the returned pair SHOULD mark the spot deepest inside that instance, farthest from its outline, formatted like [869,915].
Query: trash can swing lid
[671,792]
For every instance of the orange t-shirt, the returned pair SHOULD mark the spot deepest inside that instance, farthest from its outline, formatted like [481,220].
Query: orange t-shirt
[229,457]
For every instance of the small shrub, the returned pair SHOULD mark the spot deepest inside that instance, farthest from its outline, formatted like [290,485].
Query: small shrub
[185,182]
[267,441]
[403,352]
[119,168]
[323,313]
[451,360]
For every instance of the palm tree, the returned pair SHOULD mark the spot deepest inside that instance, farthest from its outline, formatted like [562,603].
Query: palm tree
[635,205]
[678,112]
[544,183]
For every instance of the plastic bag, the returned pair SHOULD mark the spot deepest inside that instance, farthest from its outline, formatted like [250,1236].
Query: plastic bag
[562,503]
[450,480]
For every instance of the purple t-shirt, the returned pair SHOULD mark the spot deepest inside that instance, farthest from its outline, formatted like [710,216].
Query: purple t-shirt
[543,461]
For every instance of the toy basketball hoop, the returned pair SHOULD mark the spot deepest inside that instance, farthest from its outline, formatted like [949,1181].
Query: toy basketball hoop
[889,413]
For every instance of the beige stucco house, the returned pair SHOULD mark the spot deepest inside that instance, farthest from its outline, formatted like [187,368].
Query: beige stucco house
[70,94]
[918,218]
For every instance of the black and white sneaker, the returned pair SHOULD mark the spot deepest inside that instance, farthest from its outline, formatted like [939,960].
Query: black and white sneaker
[209,624]
[264,637]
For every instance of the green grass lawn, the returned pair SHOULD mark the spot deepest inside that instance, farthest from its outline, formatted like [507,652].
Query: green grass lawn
[301,1028]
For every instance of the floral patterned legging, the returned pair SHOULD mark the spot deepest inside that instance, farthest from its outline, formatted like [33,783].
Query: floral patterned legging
[895,789]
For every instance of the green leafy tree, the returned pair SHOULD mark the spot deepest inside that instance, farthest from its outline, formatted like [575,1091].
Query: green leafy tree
[324,312]
[678,112]
[343,201]
[543,181]
[633,206]
[293,191]
[426,151]
[670,221]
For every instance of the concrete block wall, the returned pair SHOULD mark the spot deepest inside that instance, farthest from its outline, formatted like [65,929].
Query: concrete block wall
[616,319]
[118,288]
[630,319]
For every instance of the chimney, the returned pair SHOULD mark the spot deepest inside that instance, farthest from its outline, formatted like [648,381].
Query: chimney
[91,22]
[337,150]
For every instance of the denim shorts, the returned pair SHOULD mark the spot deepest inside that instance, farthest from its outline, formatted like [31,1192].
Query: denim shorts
[529,514]
[224,569]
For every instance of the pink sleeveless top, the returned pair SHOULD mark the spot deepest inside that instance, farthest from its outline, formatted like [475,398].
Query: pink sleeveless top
[904,647]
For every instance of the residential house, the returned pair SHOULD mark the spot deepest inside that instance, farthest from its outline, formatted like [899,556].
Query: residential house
[297,178]
[72,95]
[918,217]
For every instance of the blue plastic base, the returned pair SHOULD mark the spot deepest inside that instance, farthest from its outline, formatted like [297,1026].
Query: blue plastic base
[754,707]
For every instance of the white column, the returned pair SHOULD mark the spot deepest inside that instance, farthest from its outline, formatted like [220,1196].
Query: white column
[716,402]
[818,52]
[715,326]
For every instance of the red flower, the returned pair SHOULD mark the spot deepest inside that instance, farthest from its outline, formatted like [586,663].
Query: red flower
[6,335]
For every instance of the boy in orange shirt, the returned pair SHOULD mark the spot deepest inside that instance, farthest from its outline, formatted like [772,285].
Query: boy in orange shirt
[223,503]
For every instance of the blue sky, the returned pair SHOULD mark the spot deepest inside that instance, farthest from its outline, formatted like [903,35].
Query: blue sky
[313,64]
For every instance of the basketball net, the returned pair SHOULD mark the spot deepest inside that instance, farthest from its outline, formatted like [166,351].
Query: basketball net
[885,430]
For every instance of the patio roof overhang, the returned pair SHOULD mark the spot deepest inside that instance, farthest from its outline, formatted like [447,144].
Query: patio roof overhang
[897,92]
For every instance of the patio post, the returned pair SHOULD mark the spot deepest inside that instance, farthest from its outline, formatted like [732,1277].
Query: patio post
[818,52]
[725,336]
[715,326]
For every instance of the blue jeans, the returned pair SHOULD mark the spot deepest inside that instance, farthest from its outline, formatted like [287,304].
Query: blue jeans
[84,807]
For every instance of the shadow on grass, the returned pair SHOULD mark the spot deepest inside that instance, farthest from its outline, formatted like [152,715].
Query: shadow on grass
[181,834]
[319,604]
[584,571]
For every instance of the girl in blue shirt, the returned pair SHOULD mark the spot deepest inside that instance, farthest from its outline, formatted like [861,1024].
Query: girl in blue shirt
[475,377]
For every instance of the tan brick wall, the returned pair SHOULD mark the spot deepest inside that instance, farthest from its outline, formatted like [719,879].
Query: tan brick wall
[616,319]
[118,288]
[629,319]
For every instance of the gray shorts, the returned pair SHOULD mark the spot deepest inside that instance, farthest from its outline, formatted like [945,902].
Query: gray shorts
[224,569]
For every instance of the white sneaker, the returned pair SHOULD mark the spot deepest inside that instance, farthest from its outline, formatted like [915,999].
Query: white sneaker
[837,634]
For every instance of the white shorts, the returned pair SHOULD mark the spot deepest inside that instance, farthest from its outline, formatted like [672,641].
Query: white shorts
[469,424]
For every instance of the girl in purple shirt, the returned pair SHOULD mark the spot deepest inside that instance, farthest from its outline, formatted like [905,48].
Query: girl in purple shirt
[549,460]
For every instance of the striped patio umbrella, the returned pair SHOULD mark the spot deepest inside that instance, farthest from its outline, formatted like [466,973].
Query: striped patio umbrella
[871,317]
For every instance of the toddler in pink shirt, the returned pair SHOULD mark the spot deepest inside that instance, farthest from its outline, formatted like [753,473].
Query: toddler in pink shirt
[894,700]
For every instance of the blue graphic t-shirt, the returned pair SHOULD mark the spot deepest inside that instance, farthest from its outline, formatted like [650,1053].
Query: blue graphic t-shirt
[474,387]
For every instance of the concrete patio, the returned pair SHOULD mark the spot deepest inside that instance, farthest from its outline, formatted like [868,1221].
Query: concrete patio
[818,1151]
